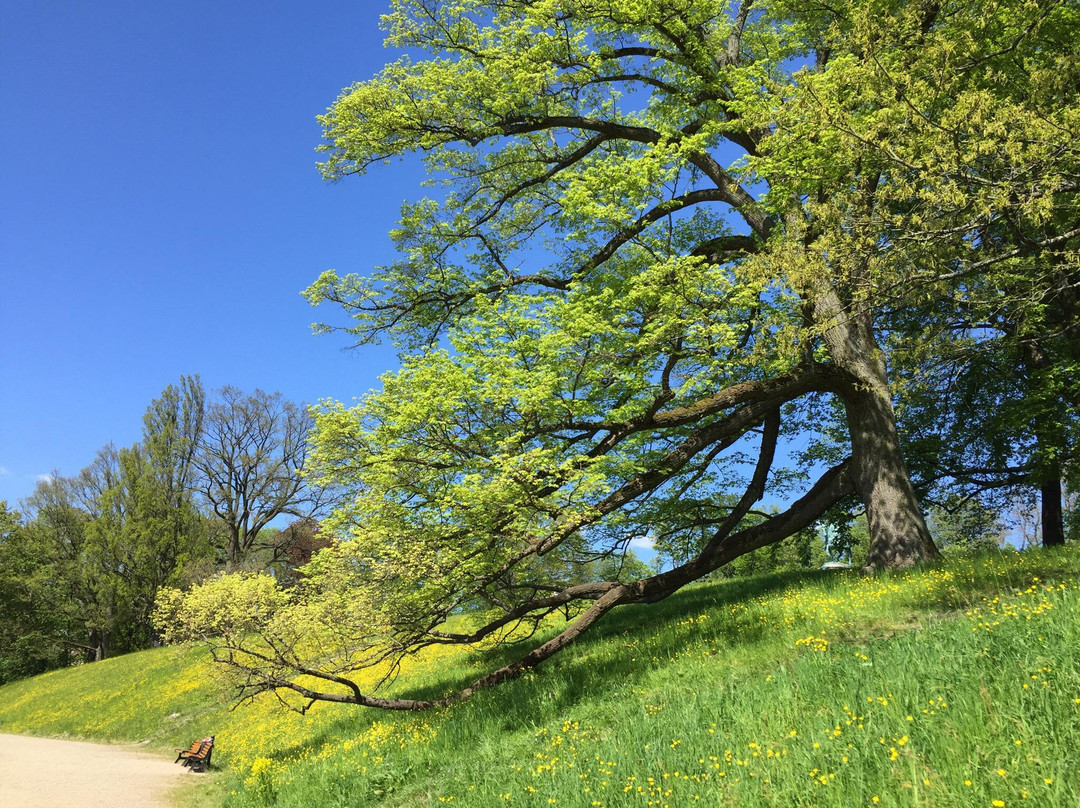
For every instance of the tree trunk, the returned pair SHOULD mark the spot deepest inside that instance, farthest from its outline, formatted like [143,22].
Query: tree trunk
[234,545]
[1053,526]
[898,533]
[99,645]
[1049,440]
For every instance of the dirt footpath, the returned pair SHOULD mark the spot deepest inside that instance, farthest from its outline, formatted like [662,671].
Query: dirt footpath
[46,773]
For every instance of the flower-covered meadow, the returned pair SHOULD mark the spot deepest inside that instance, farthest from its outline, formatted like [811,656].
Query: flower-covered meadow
[953,685]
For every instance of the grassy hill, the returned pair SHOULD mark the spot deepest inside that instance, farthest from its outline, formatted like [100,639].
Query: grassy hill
[957,685]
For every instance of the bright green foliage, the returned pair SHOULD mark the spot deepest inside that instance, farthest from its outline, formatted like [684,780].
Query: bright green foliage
[973,134]
[227,605]
[473,460]
[970,127]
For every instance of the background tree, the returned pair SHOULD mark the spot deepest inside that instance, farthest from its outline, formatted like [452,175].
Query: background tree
[72,595]
[85,567]
[81,572]
[804,551]
[989,428]
[145,526]
[294,545]
[250,462]
[31,637]
[1072,509]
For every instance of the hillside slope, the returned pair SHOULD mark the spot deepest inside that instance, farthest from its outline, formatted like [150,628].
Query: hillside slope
[955,685]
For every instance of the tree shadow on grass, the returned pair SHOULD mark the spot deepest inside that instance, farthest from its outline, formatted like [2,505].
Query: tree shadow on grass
[589,667]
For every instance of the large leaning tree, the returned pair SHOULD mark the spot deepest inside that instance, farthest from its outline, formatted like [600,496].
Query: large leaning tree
[669,244]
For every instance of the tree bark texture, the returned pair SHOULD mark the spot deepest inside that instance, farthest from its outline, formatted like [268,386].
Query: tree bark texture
[898,533]
[1053,525]
[1050,440]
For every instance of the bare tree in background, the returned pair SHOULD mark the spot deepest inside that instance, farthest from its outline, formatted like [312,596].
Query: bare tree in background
[251,458]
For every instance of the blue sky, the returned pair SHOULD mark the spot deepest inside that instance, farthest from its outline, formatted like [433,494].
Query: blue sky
[160,212]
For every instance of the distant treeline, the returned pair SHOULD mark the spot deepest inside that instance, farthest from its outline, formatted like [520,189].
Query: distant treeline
[82,559]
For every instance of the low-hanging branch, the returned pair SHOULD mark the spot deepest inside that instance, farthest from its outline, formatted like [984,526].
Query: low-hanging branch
[830,488]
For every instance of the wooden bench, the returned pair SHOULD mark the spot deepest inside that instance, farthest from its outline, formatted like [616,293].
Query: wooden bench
[191,750]
[197,756]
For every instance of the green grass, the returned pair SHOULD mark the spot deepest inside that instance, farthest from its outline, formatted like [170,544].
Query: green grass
[956,685]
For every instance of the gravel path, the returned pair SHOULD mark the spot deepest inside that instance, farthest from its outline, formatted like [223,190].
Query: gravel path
[47,773]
